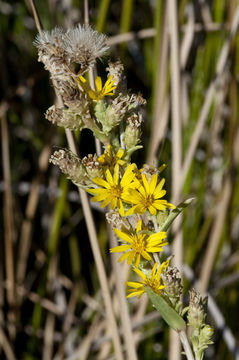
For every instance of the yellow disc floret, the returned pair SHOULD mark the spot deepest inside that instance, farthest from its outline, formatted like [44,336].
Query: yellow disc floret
[113,188]
[147,196]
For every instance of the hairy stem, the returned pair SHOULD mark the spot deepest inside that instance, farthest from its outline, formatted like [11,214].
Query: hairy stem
[186,345]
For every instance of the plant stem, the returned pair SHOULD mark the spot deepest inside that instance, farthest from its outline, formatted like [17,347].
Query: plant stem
[186,345]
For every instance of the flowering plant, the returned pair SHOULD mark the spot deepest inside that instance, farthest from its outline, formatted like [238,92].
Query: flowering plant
[134,198]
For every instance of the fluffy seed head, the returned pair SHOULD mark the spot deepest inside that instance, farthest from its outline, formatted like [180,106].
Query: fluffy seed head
[59,50]
[51,52]
[51,43]
[83,45]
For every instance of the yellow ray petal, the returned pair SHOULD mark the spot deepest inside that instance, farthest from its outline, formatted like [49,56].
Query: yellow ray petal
[146,183]
[139,226]
[160,185]
[98,83]
[120,248]
[101,182]
[123,236]
[153,183]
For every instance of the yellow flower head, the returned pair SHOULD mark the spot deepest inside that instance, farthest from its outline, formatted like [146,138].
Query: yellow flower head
[153,281]
[109,159]
[100,92]
[139,244]
[112,189]
[147,196]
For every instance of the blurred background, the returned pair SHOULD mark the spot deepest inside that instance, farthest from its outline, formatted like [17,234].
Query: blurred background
[183,56]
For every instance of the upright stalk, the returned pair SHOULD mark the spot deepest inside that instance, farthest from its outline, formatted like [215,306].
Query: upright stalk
[186,345]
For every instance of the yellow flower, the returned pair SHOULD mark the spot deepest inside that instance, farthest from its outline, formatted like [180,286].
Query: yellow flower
[153,281]
[147,196]
[113,188]
[109,159]
[100,91]
[139,244]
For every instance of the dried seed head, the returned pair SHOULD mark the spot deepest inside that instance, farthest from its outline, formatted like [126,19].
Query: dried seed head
[92,166]
[75,100]
[135,120]
[149,170]
[71,165]
[172,282]
[116,221]
[120,104]
[59,50]
[132,130]
[64,118]
[116,70]
[84,45]
[196,314]
[137,100]
[50,45]
[68,91]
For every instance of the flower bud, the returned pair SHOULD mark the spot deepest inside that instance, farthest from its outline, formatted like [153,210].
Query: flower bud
[132,131]
[111,115]
[206,334]
[196,314]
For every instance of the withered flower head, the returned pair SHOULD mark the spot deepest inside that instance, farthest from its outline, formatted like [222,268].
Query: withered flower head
[64,118]
[120,104]
[67,90]
[137,100]
[172,282]
[116,221]
[135,120]
[116,70]
[149,170]
[70,165]
[92,166]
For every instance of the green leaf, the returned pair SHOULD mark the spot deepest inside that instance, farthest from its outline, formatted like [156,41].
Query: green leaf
[172,318]
[174,213]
